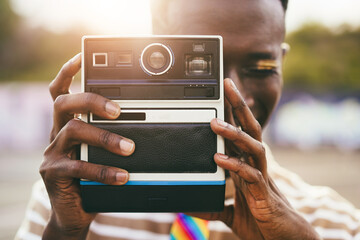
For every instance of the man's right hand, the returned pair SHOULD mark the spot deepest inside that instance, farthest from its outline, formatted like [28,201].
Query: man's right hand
[60,170]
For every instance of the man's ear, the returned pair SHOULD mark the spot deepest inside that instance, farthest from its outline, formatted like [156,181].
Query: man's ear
[285,48]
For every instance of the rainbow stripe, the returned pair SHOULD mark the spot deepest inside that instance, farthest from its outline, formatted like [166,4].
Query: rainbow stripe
[189,228]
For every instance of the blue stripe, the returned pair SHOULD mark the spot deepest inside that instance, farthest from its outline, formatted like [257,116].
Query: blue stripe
[160,183]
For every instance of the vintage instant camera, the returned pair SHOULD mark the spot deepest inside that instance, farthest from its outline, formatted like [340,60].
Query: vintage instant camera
[169,88]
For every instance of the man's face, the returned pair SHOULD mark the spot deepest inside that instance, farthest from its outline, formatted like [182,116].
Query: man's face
[253,31]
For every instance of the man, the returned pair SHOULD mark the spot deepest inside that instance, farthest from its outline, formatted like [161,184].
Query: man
[256,208]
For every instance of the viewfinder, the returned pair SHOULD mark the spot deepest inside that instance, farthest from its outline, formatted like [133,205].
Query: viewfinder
[198,65]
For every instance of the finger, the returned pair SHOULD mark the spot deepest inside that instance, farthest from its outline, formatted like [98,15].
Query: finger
[66,168]
[98,173]
[229,117]
[66,106]
[252,176]
[243,141]
[241,110]
[230,148]
[238,137]
[61,83]
[77,131]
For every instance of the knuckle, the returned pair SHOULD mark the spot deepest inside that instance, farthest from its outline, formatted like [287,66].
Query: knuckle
[239,135]
[262,149]
[75,168]
[46,159]
[48,168]
[54,165]
[257,130]
[257,127]
[53,133]
[42,170]
[59,103]
[47,152]
[240,104]
[239,164]
[103,174]
[105,137]
[258,175]
[52,88]
[90,99]
[70,128]
[73,124]
[47,171]
[239,132]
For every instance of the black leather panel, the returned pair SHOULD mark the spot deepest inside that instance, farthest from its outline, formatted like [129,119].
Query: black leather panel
[162,148]
[153,198]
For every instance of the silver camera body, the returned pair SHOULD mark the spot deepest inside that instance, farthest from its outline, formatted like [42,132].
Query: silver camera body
[169,88]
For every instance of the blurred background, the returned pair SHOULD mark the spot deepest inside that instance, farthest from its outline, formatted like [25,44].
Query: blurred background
[314,132]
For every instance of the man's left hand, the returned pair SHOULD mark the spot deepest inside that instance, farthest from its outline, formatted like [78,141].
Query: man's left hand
[259,210]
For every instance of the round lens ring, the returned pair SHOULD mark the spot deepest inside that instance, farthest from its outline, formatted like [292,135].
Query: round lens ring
[157,60]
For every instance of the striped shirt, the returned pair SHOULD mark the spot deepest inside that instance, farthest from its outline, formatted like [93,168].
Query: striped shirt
[332,216]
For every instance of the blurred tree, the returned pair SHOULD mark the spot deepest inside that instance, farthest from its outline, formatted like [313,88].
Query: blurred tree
[9,21]
[37,55]
[322,59]
[29,54]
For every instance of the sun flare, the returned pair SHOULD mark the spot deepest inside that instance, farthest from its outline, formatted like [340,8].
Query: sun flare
[100,17]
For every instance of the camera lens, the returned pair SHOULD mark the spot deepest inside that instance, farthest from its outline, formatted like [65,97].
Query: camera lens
[156,59]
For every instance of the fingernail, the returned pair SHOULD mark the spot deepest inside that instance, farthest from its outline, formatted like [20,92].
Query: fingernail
[223,156]
[76,59]
[126,145]
[112,108]
[121,177]
[222,123]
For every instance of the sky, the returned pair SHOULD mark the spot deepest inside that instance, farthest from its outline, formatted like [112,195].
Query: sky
[331,13]
[133,16]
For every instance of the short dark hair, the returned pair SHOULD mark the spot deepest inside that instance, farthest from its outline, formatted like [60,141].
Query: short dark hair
[160,7]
